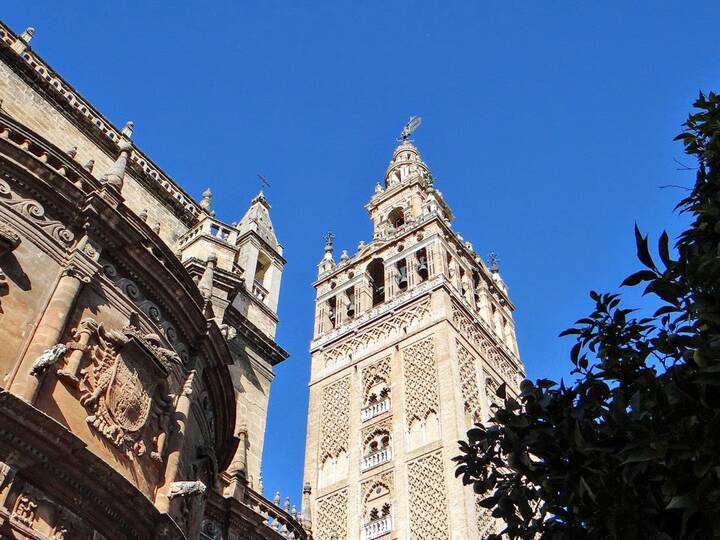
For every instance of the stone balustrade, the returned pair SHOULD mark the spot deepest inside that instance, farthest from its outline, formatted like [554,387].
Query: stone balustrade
[377,528]
[376,459]
[278,520]
[375,409]
[213,228]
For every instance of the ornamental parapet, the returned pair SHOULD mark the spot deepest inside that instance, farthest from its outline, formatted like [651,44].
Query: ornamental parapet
[377,528]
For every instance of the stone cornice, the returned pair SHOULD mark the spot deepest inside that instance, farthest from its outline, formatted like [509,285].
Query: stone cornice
[34,70]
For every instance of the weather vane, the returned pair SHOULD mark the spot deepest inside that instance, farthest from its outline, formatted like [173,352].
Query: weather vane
[329,237]
[411,126]
[263,182]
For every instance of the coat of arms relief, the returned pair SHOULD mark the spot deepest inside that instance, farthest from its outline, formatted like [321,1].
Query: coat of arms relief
[124,380]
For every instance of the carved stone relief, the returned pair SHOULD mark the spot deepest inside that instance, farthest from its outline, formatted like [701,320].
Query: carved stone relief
[132,291]
[34,211]
[24,510]
[124,385]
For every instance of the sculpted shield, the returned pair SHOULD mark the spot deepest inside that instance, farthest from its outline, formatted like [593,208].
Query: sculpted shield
[129,394]
[120,386]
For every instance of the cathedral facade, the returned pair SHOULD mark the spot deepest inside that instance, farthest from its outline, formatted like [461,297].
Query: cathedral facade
[413,334]
[137,331]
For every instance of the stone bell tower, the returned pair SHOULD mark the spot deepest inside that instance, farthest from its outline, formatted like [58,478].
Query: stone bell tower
[413,334]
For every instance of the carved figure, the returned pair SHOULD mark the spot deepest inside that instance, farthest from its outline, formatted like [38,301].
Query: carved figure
[24,510]
[183,489]
[48,358]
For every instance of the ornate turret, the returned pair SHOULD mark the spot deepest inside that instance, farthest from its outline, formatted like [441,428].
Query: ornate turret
[259,253]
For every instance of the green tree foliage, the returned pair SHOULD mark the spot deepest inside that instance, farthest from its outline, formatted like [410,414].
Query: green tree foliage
[632,448]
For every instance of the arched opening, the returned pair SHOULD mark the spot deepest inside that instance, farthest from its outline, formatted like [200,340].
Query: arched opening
[376,272]
[422,266]
[396,217]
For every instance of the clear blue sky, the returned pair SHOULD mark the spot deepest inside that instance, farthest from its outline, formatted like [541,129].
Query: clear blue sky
[548,126]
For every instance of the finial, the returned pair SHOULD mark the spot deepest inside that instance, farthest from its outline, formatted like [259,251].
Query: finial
[27,35]
[344,255]
[89,165]
[329,237]
[378,188]
[361,245]
[144,214]
[156,228]
[127,131]
[206,199]
[72,152]
[286,506]
[116,175]
[411,126]
[276,499]
[494,268]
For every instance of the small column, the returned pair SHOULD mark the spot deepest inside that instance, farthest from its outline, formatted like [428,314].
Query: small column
[182,412]
[49,331]
[363,295]
[390,286]
[238,467]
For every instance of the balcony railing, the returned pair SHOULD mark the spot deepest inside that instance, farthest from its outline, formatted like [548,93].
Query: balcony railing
[376,458]
[375,409]
[377,528]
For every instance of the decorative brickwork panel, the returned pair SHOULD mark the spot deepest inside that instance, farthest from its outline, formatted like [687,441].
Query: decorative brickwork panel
[486,524]
[468,382]
[474,332]
[380,370]
[332,516]
[428,499]
[421,384]
[380,332]
[334,419]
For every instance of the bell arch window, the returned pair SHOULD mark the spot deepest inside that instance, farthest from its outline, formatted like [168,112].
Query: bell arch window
[396,217]
[422,264]
[350,303]
[376,272]
[332,311]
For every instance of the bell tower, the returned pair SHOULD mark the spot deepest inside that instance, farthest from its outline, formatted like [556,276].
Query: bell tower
[413,333]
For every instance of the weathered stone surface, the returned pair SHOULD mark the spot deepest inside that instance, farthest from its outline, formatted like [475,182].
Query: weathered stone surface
[128,363]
